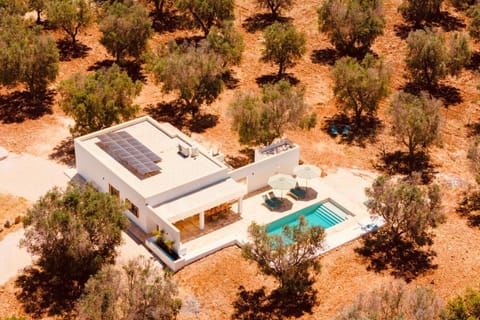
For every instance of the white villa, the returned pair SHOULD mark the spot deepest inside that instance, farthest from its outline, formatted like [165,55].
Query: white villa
[164,176]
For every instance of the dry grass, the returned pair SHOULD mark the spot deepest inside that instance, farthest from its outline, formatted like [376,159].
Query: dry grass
[214,281]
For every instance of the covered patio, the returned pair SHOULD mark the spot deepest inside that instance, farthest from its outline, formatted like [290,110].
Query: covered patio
[206,201]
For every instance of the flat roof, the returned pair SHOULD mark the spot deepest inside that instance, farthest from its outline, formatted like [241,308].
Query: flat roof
[162,139]
[200,200]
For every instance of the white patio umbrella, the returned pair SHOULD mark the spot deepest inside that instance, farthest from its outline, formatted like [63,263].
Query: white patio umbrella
[306,171]
[281,182]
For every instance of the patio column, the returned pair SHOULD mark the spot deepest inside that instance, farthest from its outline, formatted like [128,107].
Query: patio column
[201,221]
[240,206]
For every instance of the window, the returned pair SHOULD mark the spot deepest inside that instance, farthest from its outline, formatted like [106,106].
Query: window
[113,191]
[131,207]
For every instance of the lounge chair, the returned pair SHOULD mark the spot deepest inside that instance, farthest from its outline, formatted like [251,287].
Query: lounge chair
[297,193]
[346,130]
[273,197]
[333,130]
[268,202]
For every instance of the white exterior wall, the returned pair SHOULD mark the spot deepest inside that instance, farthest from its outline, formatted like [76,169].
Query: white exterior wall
[170,231]
[187,188]
[101,176]
[257,173]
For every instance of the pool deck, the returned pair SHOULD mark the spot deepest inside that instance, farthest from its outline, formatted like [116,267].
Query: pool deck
[344,186]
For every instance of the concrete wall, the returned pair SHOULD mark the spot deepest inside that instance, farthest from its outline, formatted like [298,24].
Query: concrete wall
[170,231]
[101,176]
[257,173]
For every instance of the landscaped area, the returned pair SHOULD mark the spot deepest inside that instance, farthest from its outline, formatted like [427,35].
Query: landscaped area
[351,152]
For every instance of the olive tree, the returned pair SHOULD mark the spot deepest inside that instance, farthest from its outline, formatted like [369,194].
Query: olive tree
[360,87]
[283,46]
[227,43]
[465,306]
[207,13]
[474,26]
[394,301]
[352,25]
[275,6]
[419,11]
[431,57]
[289,256]
[71,16]
[409,210]
[195,72]
[99,100]
[74,232]
[16,7]
[415,121]
[126,28]
[137,290]
[261,119]
[27,56]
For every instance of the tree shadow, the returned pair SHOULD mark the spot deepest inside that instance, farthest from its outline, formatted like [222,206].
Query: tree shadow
[469,207]
[68,52]
[229,80]
[351,133]
[405,260]
[257,305]
[64,152]
[175,113]
[474,64]
[260,21]
[202,121]
[170,21]
[474,129]
[447,94]
[189,40]
[325,56]
[397,162]
[41,294]
[246,156]
[274,78]
[443,20]
[132,67]
[18,106]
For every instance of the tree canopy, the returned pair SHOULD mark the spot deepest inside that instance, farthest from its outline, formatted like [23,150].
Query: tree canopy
[27,56]
[261,119]
[464,307]
[410,211]
[419,11]
[74,232]
[289,256]
[431,58]
[360,87]
[394,301]
[207,13]
[126,28]
[99,100]
[71,16]
[415,121]
[352,25]
[139,290]
[226,42]
[276,6]
[283,45]
[195,72]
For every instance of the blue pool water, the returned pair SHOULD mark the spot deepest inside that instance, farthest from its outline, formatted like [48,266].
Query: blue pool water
[325,214]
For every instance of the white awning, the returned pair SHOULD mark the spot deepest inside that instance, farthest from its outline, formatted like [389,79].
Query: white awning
[200,200]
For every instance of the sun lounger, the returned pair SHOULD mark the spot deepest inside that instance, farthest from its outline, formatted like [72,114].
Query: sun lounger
[297,193]
[333,130]
[273,197]
[346,130]
[268,202]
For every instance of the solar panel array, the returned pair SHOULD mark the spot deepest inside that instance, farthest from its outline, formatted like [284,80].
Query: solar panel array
[131,153]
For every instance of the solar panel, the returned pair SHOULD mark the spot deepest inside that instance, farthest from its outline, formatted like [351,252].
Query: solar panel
[131,153]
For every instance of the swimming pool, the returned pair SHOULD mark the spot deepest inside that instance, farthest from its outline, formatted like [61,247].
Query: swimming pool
[325,214]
